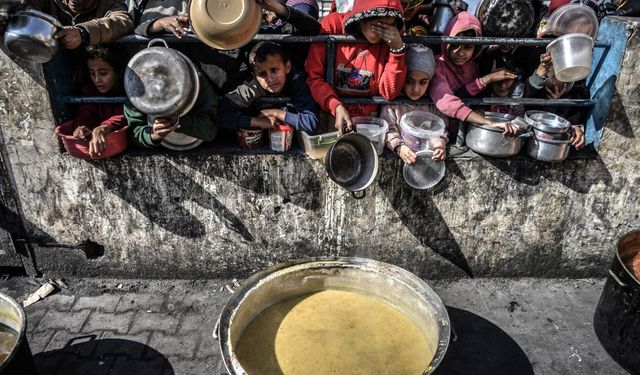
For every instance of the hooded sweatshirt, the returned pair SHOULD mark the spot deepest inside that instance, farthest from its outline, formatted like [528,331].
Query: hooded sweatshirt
[450,77]
[361,69]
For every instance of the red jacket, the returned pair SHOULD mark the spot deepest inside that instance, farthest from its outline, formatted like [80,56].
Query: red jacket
[94,115]
[360,69]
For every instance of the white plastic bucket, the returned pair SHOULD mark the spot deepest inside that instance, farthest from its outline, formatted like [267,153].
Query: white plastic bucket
[421,130]
[373,128]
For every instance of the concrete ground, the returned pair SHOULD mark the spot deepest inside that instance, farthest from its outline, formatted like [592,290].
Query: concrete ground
[149,327]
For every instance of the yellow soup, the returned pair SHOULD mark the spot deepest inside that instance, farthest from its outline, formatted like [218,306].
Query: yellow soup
[333,332]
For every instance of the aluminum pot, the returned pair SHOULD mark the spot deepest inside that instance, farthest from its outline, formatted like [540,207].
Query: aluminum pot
[387,283]
[547,122]
[29,35]
[161,81]
[617,317]
[20,359]
[488,140]
[442,14]
[352,162]
[548,149]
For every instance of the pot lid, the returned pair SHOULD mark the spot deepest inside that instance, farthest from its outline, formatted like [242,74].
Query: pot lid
[158,81]
[425,172]
[573,18]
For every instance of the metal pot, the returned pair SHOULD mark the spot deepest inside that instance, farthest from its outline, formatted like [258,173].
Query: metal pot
[352,162]
[20,359]
[488,140]
[161,81]
[617,317]
[29,35]
[442,14]
[387,283]
[547,122]
[505,18]
[548,149]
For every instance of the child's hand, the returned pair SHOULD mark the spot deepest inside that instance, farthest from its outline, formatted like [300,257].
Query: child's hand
[406,154]
[274,6]
[577,137]
[440,153]
[98,143]
[262,122]
[388,34]
[272,116]
[161,127]
[545,64]
[555,91]
[178,25]
[508,129]
[343,119]
[82,132]
[497,76]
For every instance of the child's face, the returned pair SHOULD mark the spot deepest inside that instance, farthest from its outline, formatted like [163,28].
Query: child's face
[102,75]
[461,54]
[367,30]
[416,84]
[271,74]
[502,88]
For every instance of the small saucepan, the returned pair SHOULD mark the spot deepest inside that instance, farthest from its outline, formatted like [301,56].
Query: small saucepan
[30,36]
[352,162]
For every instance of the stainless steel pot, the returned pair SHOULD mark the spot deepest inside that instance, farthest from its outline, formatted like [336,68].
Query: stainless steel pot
[547,122]
[548,149]
[161,81]
[29,35]
[352,162]
[488,140]
[387,283]
[6,6]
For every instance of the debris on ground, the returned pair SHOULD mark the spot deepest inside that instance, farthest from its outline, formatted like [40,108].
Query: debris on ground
[46,289]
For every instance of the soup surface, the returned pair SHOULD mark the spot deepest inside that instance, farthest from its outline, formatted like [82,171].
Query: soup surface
[8,339]
[333,332]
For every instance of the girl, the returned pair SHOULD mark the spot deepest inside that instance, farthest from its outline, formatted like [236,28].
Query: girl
[94,121]
[457,73]
[363,69]
[420,69]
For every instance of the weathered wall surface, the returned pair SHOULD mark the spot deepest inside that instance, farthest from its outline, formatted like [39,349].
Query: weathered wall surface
[211,214]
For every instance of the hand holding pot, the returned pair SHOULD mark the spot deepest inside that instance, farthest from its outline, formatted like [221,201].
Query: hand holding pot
[406,154]
[178,25]
[577,137]
[508,129]
[161,127]
[343,120]
[69,36]
[546,64]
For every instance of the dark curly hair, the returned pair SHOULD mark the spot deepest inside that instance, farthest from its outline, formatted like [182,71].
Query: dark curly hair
[109,54]
[260,51]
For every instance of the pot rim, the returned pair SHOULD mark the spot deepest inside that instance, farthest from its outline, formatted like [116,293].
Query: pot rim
[252,283]
[623,264]
[546,128]
[500,116]
[23,327]
[41,15]
[563,38]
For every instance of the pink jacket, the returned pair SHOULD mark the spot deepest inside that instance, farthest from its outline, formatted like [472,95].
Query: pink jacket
[449,77]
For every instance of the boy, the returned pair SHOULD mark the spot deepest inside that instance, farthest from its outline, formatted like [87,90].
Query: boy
[272,75]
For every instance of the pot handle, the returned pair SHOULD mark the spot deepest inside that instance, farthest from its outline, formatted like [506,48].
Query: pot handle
[617,279]
[359,194]
[153,41]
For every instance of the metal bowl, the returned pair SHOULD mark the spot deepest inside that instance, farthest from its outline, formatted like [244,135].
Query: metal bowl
[29,35]
[387,283]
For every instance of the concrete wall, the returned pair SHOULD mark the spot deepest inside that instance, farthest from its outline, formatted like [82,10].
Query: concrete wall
[209,213]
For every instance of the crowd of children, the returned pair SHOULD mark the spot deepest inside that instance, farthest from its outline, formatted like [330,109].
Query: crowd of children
[233,83]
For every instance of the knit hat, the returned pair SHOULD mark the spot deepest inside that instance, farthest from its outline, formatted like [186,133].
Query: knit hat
[420,58]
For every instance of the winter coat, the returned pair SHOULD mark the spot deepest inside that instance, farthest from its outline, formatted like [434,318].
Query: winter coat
[361,69]
[93,115]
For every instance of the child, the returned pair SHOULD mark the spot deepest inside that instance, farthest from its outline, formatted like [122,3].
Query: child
[273,75]
[456,72]
[542,84]
[363,69]
[199,122]
[420,69]
[94,121]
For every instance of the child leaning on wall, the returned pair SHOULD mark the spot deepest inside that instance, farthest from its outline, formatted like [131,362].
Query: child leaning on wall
[93,121]
[420,69]
[273,74]
[376,67]
[457,75]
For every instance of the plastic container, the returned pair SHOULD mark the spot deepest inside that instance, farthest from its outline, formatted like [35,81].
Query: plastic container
[316,146]
[420,130]
[571,55]
[117,142]
[425,172]
[281,137]
[373,128]
[573,18]
[250,138]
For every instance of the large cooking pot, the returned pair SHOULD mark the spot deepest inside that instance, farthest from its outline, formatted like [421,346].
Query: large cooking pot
[489,140]
[15,354]
[389,284]
[352,162]
[161,81]
[505,18]
[617,317]
[29,35]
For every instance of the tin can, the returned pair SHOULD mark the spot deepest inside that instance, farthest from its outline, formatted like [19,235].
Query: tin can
[250,138]
[281,138]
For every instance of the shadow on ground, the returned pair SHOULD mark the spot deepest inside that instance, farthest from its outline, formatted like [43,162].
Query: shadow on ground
[87,356]
[480,347]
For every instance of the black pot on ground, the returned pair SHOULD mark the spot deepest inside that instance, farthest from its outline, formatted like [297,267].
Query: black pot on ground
[617,317]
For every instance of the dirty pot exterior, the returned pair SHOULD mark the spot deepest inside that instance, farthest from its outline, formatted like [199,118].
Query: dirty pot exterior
[489,141]
[617,317]
[20,361]
[388,283]
[29,35]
